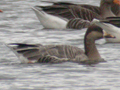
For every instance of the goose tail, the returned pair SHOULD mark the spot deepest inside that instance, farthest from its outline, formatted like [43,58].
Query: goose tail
[25,52]
[39,12]
[48,20]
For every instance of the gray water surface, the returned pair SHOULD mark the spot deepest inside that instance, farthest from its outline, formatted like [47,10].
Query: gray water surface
[18,23]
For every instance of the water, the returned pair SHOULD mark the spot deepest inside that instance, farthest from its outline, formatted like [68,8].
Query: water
[18,23]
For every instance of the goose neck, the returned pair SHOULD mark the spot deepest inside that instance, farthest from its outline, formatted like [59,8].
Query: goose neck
[105,9]
[91,50]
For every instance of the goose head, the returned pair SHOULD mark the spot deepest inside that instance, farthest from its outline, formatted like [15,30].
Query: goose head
[93,33]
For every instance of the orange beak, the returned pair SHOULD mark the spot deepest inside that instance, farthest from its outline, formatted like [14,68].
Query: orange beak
[1,11]
[106,35]
[117,2]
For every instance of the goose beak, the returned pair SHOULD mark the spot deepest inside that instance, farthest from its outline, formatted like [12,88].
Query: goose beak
[106,35]
[117,2]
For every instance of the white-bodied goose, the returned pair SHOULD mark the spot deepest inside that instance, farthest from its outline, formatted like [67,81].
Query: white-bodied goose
[34,53]
[111,26]
[67,15]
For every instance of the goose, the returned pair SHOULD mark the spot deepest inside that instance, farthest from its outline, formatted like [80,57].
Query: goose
[111,26]
[38,53]
[67,15]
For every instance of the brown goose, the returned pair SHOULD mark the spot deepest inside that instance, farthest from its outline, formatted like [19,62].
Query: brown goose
[34,53]
[114,6]
[69,13]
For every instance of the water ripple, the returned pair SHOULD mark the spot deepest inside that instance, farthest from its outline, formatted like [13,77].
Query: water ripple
[19,24]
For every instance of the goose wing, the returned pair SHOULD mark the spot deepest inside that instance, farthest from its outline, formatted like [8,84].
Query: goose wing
[29,53]
[114,7]
[70,11]
[95,9]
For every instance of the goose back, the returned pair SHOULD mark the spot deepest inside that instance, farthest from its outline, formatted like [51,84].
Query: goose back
[70,11]
[91,7]
[53,9]
[95,9]
[49,53]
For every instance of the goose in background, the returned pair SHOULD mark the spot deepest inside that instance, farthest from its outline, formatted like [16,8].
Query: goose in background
[65,9]
[38,53]
[111,26]
[63,15]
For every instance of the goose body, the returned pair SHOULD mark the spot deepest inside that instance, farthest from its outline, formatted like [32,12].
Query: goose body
[38,53]
[64,13]
[112,26]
